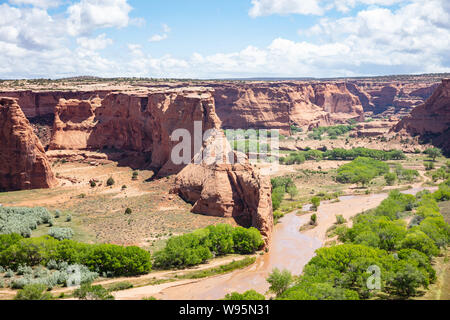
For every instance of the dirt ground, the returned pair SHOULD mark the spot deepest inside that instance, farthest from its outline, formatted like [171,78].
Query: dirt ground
[98,213]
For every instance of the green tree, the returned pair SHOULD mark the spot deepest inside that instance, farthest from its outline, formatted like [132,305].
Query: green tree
[279,281]
[390,178]
[292,191]
[315,203]
[433,153]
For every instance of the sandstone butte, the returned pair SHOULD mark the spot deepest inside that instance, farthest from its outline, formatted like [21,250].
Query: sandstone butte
[224,188]
[431,120]
[24,163]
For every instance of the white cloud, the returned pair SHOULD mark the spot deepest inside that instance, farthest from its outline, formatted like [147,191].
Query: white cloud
[37,3]
[94,44]
[88,15]
[269,7]
[158,37]
[161,37]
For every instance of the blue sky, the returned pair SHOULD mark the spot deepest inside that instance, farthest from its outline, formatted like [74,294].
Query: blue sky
[216,39]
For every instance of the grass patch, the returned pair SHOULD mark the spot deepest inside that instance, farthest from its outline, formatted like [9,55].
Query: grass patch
[234,265]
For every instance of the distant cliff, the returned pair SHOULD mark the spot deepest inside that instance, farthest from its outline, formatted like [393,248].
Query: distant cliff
[431,120]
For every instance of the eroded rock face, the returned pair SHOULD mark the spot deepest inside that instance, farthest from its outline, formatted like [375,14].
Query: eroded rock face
[280,105]
[224,189]
[432,119]
[141,123]
[40,103]
[24,163]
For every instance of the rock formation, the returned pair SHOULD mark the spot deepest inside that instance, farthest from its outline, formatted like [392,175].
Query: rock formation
[431,120]
[24,163]
[138,122]
[280,105]
[222,188]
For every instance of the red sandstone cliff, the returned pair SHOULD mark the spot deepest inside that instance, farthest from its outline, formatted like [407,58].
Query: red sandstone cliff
[432,119]
[225,189]
[137,122]
[23,159]
[279,105]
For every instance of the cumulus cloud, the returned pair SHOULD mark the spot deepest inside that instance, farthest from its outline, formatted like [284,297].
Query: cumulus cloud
[94,44]
[412,37]
[160,37]
[88,15]
[269,7]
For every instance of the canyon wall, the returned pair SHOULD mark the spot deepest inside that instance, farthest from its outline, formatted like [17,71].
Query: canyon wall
[391,97]
[431,120]
[267,105]
[24,163]
[41,103]
[134,122]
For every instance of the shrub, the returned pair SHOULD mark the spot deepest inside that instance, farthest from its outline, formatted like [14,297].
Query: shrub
[110,182]
[361,170]
[90,292]
[135,175]
[315,203]
[68,218]
[199,246]
[118,260]
[279,281]
[22,220]
[313,219]
[340,219]
[390,178]
[128,211]
[61,233]
[119,286]
[33,292]
[248,295]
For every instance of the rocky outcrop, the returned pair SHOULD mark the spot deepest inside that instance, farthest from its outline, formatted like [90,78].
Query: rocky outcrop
[24,163]
[139,122]
[401,96]
[431,120]
[278,105]
[41,103]
[227,188]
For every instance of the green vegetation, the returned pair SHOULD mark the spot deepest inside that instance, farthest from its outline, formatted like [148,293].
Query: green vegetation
[89,292]
[379,239]
[280,186]
[433,153]
[201,245]
[248,295]
[333,131]
[234,265]
[33,292]
[61,233]
[113,259]
[315,203]
[390,178]
[361,170]
[406,174]
[342,154]
[22,220]
[110,182]
[279,281]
